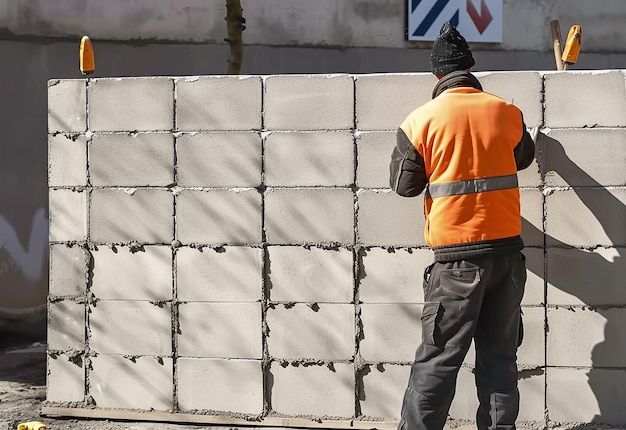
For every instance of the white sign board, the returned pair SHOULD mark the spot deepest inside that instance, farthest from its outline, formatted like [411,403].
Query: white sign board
[476,20]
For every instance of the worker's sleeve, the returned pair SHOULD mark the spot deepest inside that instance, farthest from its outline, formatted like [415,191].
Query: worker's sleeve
[407,172]
[525,150]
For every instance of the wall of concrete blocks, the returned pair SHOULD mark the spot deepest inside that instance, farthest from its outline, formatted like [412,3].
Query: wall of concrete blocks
[229,247]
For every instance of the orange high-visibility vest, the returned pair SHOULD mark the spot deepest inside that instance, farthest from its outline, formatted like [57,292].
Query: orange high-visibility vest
[466,138]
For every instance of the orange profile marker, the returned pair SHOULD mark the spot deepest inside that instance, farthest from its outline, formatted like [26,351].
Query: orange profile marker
[87,60]
[572,45]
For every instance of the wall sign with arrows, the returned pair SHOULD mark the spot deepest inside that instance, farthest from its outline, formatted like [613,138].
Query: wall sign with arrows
[477,20]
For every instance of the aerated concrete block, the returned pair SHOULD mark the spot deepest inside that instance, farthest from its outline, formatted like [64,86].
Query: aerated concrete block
[598,396]
[393,276]
[465,402]
[309,216]
[220,330]
[219,160]
[380,322]
[67,215]
[526,94]
[309,102]
[383,388]
[532,176]
[218,103]
[383,101]
[381,339]
[298,274]
[319,331]
[586,217]
[132,215]
[309,159]
[584,337]
[65,379]
[387,219]
[67,160]
[531,202]
[532,350]
[532,386]
[374,154]
[373,157]
[68,270]
[585,99]
[122,273]
[531,353]
[218,217]
[130,160]
[145,383]
[66,325]
[532,398]
[131,104]
[586,158]
[586,277]
[314,391]
[130,327]
[231,274]
[534,290]
[220,385]
[67,105]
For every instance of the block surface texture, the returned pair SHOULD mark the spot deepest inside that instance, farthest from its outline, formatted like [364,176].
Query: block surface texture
[228,249]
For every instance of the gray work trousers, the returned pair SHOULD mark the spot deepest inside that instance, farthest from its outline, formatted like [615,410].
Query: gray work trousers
[470,299]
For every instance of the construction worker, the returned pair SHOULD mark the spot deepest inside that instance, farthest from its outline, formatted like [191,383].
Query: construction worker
[464,147]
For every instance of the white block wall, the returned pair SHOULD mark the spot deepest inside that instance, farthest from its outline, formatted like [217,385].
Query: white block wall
[229,247]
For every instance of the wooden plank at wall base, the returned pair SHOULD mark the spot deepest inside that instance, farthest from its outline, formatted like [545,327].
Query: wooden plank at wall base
[154,416]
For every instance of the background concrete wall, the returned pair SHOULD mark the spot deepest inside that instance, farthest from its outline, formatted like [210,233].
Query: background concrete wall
[238,233]
[349,23]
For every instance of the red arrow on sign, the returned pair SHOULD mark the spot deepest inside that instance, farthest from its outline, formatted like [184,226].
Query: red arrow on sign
[481,20]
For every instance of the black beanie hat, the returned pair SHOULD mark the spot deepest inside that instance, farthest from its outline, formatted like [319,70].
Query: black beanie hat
[450,52]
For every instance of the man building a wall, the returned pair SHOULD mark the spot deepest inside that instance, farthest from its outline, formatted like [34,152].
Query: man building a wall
[464,147]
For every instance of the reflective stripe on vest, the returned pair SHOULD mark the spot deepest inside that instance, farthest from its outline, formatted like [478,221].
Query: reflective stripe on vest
[472,186]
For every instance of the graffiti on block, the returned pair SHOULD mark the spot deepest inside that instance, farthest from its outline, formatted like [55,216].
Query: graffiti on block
[28,260]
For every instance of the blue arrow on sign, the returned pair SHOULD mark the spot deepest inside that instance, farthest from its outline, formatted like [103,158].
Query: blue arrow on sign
[432,15]
[455,19]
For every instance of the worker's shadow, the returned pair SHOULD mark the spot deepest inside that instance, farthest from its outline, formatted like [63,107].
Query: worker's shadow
[592,277]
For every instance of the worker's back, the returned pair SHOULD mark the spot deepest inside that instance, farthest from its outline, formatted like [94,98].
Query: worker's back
[466,138]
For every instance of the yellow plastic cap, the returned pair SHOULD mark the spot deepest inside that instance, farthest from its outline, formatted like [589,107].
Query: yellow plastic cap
[572,44]
[87,60]
[32,425]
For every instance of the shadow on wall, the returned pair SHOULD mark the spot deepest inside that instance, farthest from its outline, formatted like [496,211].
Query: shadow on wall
[584,292]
